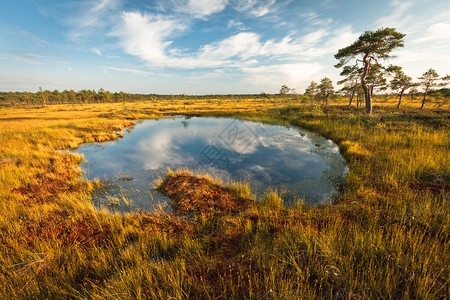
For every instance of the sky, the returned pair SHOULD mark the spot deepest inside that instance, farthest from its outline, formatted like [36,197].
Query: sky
[205,46]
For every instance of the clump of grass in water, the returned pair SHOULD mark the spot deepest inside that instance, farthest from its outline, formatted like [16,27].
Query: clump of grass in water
[200,194]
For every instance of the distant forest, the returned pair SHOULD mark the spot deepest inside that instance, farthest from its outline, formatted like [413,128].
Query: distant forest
[46,97]
[8,99]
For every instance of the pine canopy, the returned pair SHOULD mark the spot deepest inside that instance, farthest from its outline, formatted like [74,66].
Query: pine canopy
[376,44]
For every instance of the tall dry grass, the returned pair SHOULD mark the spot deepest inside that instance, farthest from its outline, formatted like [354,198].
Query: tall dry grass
[387,236]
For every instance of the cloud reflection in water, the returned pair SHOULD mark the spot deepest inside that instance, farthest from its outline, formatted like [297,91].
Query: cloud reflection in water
[268,156]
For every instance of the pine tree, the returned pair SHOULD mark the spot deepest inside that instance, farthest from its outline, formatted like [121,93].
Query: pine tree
[371,46]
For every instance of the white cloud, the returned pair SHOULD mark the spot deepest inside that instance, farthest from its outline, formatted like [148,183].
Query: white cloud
[149,37]
[234,24]
[146,36]
[204,8]
[25,83]
[440,31]
[29,58]
[293,74]
[103,4]
[32,55]
[159,149]
[309,16]
[287,47]
[336,39]
[341,37]
[261,10]
[314,19]
[414,60]
[406,56]
[243,45]
[315,36]
[127,70]
[32,37]
[256,8]
[96,51]
[436,32]
[442,16]
[92,15]
[398,16]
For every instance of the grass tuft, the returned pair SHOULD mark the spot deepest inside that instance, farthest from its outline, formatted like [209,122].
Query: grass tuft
[191,194]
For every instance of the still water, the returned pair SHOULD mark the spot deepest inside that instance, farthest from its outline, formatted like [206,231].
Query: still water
[297,163]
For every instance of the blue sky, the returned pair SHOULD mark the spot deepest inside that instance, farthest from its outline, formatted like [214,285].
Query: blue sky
[204,46]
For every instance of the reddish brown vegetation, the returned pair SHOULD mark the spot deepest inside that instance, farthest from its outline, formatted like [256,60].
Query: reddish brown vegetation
[60,178]
[191,194]
[173,226]
[60,226]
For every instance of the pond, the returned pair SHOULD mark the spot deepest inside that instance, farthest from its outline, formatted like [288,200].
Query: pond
[291,160]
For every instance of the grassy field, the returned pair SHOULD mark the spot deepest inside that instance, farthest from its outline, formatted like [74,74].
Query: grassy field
[387,236]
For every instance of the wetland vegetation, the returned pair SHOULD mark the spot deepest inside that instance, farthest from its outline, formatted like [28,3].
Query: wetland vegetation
[327,194]
[387,235]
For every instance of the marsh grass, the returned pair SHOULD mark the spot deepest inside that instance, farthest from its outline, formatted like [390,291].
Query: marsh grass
[200,194]
[387,236]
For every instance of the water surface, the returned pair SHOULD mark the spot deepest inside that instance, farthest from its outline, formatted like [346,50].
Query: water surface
[291,160]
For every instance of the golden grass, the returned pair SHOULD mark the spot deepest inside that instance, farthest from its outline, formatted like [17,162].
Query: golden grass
[386,237]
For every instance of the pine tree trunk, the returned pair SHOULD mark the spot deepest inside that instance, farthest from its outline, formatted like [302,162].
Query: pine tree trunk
[400,99]
[364,85]
[351,96]
[424,98]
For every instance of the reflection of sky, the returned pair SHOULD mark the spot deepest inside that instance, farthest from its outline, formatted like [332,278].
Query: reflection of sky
[267,155]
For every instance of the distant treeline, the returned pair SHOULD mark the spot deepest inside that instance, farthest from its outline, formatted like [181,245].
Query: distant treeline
[46,97]
[91,96]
